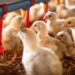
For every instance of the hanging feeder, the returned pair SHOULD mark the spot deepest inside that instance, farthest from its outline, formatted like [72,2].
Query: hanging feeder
[27,18]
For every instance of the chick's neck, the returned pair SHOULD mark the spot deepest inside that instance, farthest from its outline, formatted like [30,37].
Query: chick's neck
[41,36]
[30,45]
[53,22]
[42,33]
[68,41]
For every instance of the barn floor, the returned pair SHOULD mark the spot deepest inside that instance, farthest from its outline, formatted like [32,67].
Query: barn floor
[16,68]
[69,66]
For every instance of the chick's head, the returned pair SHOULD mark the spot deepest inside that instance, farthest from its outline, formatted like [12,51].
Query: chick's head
[39,26]
[64,37]
[70,22]
[50,16]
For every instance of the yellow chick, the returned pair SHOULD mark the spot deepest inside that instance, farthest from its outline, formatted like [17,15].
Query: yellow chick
[51,6]
[47,41]
[8,18]
[37,60]
[65,12]
[62,11]
[67,40]
[10,40]
[33,11]
[38,11]
[54,25]
[69,3]
[69,22]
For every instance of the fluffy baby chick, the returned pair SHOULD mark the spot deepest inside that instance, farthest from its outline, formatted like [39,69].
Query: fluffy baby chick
[71,7]
[33,11]
[71,12]
[48,41]
[51,6]
[54,6]
[69,22]
[37,60]
[9,17]
[69,3]
[53,24]
[67,40]
[62,11]
[10,40]
[36,10]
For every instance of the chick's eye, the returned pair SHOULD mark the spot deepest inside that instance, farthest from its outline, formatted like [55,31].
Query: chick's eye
[69,22]
[35,25]
[61,35]
[50,16]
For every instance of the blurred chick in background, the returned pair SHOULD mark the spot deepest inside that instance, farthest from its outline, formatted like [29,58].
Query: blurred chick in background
[64,12]
[69,24]
[67,40]
[36,12]
[9,16]
[11,42]
[70,3]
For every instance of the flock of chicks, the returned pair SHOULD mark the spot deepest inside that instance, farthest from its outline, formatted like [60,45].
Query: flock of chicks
[44,43]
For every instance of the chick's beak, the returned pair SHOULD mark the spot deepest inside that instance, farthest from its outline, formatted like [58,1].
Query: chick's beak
[64,26]
[57,37]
